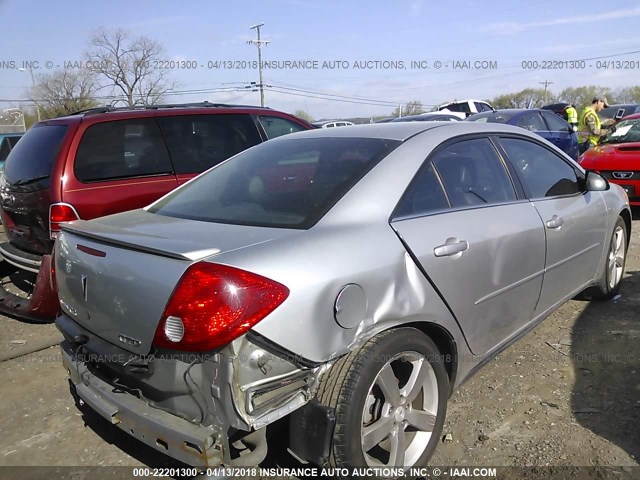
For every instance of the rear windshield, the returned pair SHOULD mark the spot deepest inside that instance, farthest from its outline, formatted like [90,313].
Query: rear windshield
[32,157]
[491,117]
[290,183]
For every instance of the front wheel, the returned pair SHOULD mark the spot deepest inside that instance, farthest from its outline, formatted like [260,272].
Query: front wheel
[390,399]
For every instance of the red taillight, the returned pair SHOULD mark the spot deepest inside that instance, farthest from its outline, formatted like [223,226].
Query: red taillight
[215,304]
[60,213]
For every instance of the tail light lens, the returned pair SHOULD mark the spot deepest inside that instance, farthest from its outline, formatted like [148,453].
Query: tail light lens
[60,213]
[213,305]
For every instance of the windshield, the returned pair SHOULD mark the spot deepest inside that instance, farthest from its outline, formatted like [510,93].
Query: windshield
[289,183]
[625,131]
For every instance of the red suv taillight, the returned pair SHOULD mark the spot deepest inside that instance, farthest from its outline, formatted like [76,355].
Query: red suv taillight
[60,213]
[213,305]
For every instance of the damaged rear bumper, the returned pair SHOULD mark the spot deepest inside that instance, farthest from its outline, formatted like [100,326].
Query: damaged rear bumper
[42,306]
[192,444]
[230,395]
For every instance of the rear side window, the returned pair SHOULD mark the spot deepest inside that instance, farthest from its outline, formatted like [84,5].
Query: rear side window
[532,122]
[121,149]
[555,123]
[424,195]
[285,183]
[473,174]
[33,156]
[198,142]
[278,126]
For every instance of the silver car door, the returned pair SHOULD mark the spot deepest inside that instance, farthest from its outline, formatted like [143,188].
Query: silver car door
[481,247]
[575,221]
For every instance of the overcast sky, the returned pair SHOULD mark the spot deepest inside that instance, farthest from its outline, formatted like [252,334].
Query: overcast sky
[352,33]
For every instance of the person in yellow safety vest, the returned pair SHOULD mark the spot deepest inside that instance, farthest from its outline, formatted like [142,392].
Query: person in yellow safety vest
[590,126]
[572,117]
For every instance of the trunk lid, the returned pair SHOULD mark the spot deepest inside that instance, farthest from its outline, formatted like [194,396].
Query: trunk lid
[116,274]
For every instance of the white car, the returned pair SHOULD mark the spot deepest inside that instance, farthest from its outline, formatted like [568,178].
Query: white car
[333,123]
[464,108]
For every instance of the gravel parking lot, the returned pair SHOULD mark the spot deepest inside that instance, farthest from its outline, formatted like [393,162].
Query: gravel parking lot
[566,394]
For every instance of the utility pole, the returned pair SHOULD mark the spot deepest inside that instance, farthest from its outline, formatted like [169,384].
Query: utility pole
[258,43]
[546,83]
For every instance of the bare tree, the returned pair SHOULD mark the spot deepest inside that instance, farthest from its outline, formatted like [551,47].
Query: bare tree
[130,66]
[65,91]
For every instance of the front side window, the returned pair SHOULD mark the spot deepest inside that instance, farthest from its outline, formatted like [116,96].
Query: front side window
[121,149]
[285,183]
[542,172]
[473,174]
[278,126]
[198,142]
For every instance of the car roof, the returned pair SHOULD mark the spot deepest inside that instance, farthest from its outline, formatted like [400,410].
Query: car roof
[177,109]
[401,130]
[633,116]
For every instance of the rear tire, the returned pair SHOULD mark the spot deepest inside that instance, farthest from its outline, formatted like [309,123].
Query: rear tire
[609,283]
[390,400]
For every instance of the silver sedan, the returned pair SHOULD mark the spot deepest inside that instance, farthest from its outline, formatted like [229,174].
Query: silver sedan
[343,281]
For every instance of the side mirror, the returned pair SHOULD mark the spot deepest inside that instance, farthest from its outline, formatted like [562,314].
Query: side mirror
[596,182]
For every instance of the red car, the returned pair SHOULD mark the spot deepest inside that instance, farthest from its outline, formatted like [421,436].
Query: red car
[617,157]
[109,160]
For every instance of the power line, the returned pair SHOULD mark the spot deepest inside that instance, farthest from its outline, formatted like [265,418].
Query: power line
[349,97]
[286,92]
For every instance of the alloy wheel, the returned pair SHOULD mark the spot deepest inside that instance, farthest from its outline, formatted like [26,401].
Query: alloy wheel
[400,412]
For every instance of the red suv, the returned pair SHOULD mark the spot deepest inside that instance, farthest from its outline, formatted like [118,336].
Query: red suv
[108,160]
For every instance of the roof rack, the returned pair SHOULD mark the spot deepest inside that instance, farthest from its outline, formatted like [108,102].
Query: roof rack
[205,104]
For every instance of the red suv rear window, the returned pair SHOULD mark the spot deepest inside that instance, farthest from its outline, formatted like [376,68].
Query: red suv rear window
[32,157]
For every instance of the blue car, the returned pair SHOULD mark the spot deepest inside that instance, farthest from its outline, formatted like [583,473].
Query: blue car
[543,122]
[7,142]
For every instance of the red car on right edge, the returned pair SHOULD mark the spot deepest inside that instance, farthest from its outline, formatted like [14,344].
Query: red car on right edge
[617,157]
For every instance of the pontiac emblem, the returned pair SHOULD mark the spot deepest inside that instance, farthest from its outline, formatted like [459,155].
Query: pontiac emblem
[83,279]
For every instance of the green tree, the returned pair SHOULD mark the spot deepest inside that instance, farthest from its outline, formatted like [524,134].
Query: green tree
[414,107]
[582,96]
[527,98]
[304,115]
[628,95]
